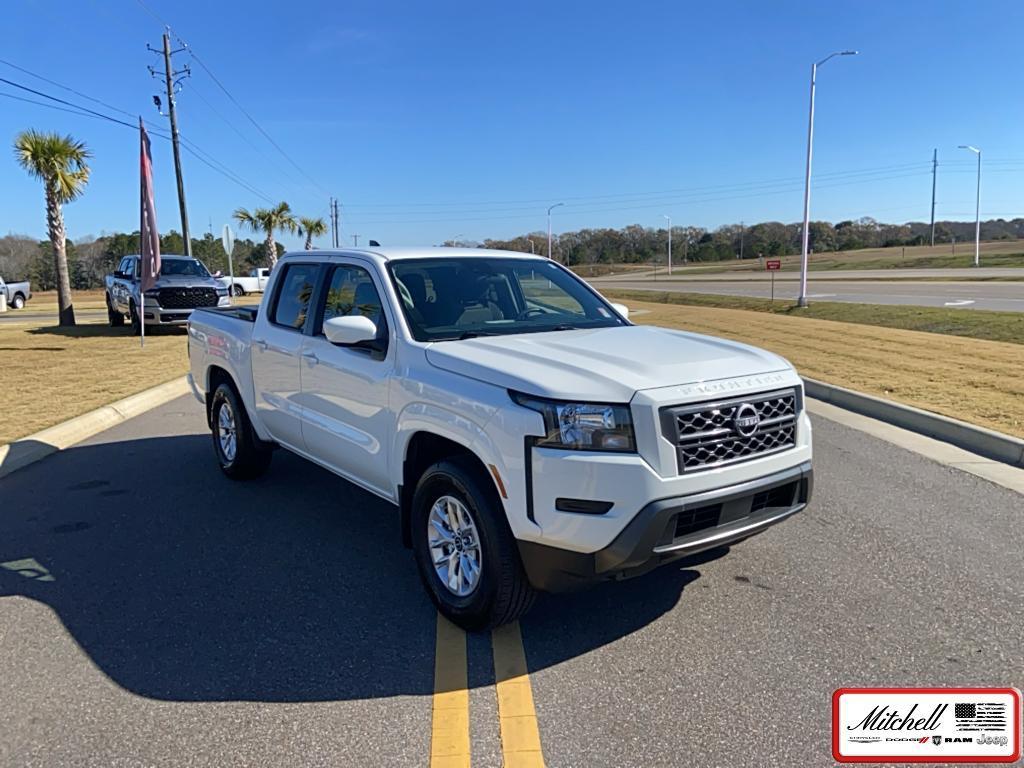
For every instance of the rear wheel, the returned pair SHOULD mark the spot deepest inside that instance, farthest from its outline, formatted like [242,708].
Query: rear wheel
[238,290]
[18,302]
[116,319]
[240,453]
[465,552]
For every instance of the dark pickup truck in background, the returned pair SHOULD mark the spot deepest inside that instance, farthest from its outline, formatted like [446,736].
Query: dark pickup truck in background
[183,284]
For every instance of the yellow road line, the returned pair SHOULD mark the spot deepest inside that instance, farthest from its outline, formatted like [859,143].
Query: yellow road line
[520,737]
[449,738]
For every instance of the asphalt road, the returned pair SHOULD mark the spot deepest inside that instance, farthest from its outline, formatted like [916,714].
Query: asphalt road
[1005,296]
[154,613]
[698,273]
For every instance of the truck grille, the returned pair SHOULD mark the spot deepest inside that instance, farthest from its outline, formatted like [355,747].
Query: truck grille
[187,298]
[728,431]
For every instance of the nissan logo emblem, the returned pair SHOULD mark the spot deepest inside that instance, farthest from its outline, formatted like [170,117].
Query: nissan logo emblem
[746,420]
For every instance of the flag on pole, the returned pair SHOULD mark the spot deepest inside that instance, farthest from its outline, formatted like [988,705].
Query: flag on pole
[149,235]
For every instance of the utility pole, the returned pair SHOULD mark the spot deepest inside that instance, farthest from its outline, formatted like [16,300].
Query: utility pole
[355,240]
[173,81]
[741,241]
[337,225]
[935,165]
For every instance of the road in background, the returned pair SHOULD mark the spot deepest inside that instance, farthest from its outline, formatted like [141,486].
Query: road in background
[1004,296]
[154,612]
[698,273]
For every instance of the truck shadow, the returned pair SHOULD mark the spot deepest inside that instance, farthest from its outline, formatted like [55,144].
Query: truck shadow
[181,585]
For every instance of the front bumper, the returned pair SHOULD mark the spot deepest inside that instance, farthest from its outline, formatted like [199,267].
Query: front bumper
[672,528]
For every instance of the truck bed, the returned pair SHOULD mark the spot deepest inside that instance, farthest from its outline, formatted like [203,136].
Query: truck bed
[247,314]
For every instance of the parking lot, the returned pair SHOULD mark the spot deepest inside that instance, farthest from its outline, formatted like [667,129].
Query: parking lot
[152,612]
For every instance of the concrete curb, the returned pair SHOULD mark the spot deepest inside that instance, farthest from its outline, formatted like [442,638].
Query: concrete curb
[984,442]
[31,449]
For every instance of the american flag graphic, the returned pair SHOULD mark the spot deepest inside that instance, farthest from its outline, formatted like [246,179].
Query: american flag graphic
[980,716]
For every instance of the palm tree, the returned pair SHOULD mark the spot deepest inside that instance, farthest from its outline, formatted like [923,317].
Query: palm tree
[311,228]
[268,220]
[60,162]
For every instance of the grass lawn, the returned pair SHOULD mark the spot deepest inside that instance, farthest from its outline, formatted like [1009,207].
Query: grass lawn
[51,374]
[970,379]
[971,323]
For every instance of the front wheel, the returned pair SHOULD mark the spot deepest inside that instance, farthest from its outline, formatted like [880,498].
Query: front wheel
[465,552]
[133,314]
[240,453]
[115,318]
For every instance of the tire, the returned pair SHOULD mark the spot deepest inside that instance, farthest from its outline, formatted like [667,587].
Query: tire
[240,454]
[18,302]
[133,313]
[238,290]
[501,593]
[116,319]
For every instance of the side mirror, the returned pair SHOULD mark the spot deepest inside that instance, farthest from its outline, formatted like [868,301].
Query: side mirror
[622,309]
[350,329]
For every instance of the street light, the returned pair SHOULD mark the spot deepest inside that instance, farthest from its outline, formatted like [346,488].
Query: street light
[802,301]
[977,207]
[549,226]
[669,219]
[455,240]
[530,241]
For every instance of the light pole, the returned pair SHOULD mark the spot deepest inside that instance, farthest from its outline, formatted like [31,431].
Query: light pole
[669,219]
[549,226]
[530,241]
[802,301]
[455,240]
[977,208]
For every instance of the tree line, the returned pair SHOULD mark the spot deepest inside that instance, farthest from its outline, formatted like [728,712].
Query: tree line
[640,244]
[61,163]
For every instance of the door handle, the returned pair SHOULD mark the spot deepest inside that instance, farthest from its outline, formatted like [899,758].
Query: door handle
[261,344]
[310,357]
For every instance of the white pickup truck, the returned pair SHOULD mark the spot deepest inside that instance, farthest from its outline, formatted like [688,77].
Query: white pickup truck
[255,282]
[531,437]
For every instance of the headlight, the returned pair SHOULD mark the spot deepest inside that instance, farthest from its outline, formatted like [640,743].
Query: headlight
[222,291]
[582,426]
[152,293]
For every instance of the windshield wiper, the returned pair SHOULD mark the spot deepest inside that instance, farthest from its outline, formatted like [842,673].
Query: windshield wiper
[467,335]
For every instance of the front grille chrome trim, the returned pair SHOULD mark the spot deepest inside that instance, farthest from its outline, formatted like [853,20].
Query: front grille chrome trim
[705,436]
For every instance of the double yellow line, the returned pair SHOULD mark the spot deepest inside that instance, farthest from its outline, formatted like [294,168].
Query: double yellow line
[517,718]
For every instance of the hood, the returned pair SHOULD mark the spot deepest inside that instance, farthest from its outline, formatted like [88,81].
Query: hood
[602,365]
[186,281]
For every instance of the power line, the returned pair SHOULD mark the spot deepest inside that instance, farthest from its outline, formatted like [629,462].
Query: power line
[66,88]
[78,109]
[242,109]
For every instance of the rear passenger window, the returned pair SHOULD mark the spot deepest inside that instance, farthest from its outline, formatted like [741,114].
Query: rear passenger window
[294,295]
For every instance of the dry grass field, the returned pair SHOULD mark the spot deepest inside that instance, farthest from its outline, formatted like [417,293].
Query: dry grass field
[970,379]
[52,374]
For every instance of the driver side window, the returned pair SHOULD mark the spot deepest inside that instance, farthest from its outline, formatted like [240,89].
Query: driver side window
[350,292]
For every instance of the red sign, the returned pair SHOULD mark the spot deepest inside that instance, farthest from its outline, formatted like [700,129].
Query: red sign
[773,264]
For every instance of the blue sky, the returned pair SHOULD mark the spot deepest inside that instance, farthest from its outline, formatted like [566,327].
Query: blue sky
[432,120]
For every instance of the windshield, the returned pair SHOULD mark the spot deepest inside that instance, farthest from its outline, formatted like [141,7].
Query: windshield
[458,298]
[183,268]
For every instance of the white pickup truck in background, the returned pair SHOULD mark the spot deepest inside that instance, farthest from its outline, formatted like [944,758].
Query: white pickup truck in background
[255,282]
[529,434]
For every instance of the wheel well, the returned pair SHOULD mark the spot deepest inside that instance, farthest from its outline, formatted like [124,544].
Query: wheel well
[424,450]
[215,377]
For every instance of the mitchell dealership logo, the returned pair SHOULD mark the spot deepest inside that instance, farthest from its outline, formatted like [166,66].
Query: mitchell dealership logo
[746,420]
[933,725]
